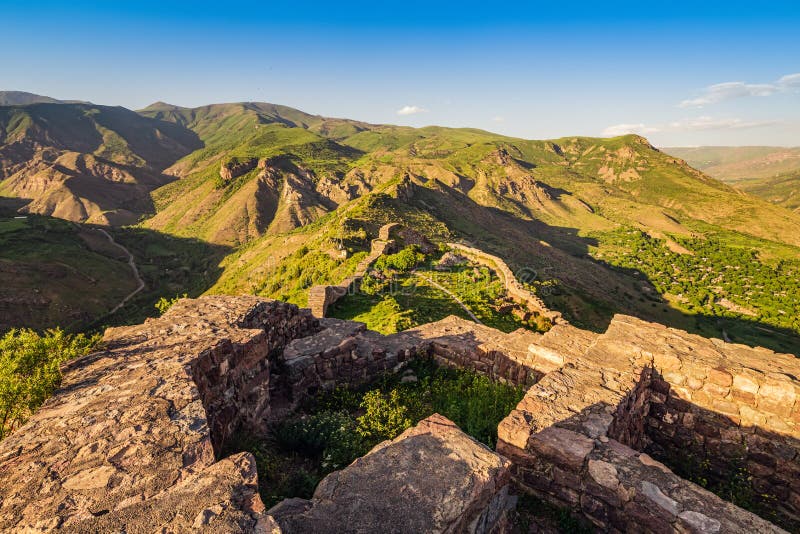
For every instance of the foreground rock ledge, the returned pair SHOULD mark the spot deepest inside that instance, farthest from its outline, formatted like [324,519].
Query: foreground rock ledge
[131,441]
[431,478]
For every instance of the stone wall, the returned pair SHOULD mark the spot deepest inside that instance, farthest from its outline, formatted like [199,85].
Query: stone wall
[129,440]
[343,352]
[580,438]
[234,380]
[321,297]
[514,289]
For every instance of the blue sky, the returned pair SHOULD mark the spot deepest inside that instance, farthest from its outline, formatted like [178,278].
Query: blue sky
[680,73]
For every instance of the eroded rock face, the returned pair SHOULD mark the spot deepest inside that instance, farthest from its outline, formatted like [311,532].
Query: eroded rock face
[233,169]
[431,478]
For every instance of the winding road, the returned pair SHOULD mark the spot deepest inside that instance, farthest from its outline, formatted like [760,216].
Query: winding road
[135,270]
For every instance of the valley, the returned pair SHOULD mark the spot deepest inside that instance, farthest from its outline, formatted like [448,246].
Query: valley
[256,198]
[771,173]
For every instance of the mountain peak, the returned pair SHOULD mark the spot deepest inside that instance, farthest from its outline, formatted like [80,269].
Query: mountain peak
[161,106]
[22,98]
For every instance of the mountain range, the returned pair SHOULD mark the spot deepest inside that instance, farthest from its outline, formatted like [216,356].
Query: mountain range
[261,198]
[772,173]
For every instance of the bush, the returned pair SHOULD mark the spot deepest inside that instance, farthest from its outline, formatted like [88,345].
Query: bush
[329,435]
[164,303]
[385,416]
[29,370]
[403,261]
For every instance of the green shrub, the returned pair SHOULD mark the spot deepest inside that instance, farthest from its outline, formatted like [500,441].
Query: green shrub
[385,416]
[29,370]
[403,261]
[164,303]
[329,435]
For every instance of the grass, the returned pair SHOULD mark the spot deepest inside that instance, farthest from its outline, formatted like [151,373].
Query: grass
[408,299]
[54,277]
[336,428]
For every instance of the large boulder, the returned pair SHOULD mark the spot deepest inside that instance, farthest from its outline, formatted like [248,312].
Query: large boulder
[431,478]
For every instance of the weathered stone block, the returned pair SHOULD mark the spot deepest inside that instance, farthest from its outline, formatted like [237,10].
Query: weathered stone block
[562,447]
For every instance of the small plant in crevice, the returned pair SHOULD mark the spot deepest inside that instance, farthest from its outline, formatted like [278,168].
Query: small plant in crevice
[163,304]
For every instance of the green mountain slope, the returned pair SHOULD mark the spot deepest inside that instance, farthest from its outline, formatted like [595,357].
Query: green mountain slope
[282,200]
[771,173]
[731,164]
[783,190]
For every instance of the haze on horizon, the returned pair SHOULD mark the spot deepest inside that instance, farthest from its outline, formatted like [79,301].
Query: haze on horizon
[720,73]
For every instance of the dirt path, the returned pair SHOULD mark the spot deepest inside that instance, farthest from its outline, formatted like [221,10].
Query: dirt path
[450,294]
[135,270]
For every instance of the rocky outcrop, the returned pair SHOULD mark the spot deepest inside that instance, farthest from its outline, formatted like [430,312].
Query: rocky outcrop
[236,167]
[432,478]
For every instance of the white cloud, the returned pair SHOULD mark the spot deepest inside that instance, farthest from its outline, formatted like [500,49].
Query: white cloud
[411,110]
[684,125]
[622,129]
[709,123]
[730,90]
[499,119]
[789,81]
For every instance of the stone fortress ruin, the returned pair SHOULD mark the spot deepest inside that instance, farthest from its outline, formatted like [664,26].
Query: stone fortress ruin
[133,439]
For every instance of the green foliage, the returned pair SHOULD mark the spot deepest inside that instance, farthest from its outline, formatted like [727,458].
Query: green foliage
[713,278]
[532,509]
[403,261]
[163,304]
[330,435]
[344,424]
[385,416]
[395,301]
[29,370]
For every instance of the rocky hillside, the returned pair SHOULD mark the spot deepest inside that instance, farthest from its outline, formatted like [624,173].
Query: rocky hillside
[733,163]
[21,98]
[86,163]
[279,200]
[771,173]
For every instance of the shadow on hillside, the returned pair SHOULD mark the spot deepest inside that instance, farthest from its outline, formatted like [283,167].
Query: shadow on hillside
[589,292]
[170,267]
[9,206]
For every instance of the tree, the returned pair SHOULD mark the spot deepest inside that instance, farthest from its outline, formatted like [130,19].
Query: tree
[29,370]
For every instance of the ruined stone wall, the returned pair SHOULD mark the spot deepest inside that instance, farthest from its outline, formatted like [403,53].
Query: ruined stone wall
[343,352]
[733,422]
[581,436]
[234,380]
[514,289]
[128,441]
[321,297]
